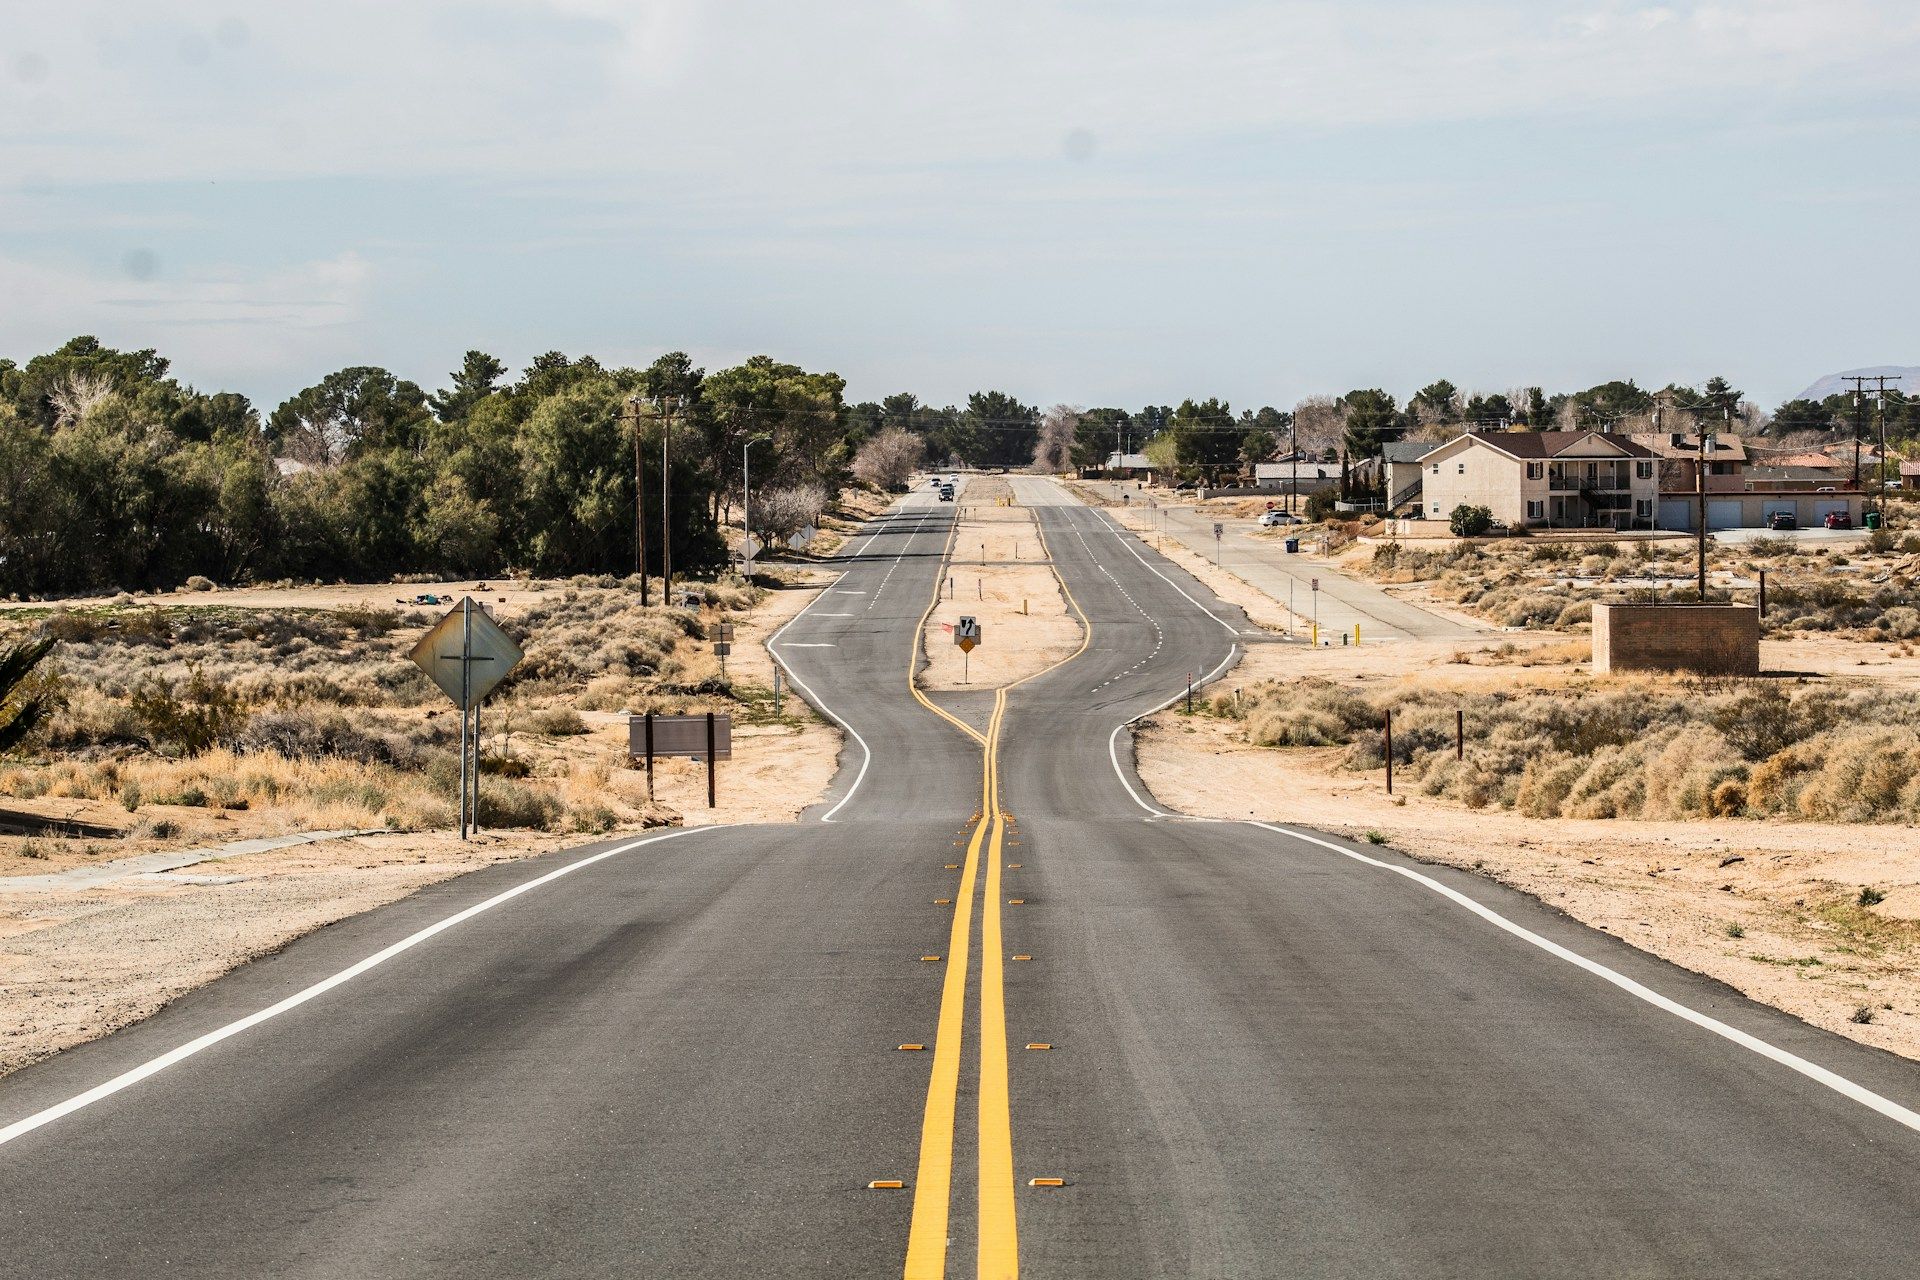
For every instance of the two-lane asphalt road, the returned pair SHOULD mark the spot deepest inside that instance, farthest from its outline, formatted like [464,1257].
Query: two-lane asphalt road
[1239,1050]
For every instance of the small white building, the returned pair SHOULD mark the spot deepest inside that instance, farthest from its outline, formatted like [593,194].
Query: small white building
[1547,479]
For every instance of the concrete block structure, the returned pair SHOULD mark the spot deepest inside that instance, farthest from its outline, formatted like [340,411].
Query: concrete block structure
[1706,639]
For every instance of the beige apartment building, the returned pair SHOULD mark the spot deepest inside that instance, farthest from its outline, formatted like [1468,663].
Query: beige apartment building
[1550,479]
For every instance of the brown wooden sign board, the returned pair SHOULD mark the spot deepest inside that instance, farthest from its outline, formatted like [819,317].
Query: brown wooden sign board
[681,736]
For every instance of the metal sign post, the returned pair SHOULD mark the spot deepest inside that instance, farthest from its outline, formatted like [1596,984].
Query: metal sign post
[1218,529]
[966,634]
[1316,613]
[467,655]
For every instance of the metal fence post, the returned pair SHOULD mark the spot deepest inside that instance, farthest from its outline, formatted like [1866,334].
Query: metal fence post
[1388,722]
[649,736]
[710,762]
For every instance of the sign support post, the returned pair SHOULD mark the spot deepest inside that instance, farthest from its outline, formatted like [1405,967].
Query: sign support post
[451,666]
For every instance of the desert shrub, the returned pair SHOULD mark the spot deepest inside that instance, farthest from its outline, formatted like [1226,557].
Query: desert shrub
[189,720]
[1580,611]
[303,736]
[508,803]
[1880,541]
[556,722]
[198,583]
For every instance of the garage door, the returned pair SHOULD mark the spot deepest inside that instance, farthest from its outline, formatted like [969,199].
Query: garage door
[1676,513]
[1826,507]
[1723,514]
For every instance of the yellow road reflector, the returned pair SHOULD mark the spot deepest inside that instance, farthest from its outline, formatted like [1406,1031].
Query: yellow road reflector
[1015,866]
[912,1047]
[929,957]
[1023,957]
[1039,1046]
[952,866]
[1016,902]
[943,902]
[1046,1182]
[885,1184]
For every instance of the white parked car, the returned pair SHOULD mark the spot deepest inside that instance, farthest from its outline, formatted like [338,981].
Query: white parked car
[1274,519]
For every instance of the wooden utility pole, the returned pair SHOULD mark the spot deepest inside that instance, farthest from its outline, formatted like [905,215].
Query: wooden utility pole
[1700,491]
[667,405]
[1859,381]
[1880,467]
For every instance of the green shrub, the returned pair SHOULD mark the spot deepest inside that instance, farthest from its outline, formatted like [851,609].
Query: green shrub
[1469,521]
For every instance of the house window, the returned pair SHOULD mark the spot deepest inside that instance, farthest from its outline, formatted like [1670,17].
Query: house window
[1643,508]
[1463,468]
[1536,510]
[1643,469]
[1436,468]
[1535,470]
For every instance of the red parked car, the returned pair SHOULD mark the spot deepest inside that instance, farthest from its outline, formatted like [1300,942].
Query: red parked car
[1839,520]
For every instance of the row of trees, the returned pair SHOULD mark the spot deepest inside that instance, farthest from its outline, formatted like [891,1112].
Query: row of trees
[116,474]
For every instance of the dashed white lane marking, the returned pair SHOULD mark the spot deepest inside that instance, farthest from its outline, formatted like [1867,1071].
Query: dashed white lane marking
[918,527]
[154,1066]
[1159,636]
[1793,1062]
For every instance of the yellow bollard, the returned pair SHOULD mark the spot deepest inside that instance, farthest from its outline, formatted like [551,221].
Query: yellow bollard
[1356,635]
[1316,635]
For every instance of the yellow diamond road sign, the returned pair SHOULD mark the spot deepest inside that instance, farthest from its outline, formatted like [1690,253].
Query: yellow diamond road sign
[466,654]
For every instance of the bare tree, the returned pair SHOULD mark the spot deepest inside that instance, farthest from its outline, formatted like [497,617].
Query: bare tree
[1319,423]
[77,395]
[1053,451]
[318,440]
[889,458]
[781,513]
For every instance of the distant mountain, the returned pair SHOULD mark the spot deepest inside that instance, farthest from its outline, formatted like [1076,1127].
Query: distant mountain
[1835,383]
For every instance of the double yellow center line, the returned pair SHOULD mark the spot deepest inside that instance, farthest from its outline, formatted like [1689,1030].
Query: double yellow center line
[999,1238]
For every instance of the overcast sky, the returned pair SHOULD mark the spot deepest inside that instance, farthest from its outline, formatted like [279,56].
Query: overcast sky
[1095,202]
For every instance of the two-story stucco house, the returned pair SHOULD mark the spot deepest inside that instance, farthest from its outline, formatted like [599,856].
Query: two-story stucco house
[1553,479]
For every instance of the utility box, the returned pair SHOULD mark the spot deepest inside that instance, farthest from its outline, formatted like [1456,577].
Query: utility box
[1705,639]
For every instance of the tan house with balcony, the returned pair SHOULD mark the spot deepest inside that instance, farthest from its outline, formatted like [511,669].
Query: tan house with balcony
[1546,479]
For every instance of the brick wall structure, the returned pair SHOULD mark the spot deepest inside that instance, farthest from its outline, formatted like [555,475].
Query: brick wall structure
[1707,639]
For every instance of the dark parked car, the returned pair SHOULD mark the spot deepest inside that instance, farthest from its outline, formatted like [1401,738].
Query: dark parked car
[1782,520]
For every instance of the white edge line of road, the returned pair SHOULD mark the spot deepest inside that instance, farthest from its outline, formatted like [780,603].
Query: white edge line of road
[153,1066]
[1793,1062]
[1121,532]
[866,752]
[1113,739]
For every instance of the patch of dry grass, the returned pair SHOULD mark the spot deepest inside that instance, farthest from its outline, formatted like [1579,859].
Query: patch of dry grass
[306,719]
[1637,748]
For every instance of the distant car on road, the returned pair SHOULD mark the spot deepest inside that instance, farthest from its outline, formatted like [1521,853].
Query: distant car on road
[946,493]
[1274,519]
[1839,520]
[1782,520]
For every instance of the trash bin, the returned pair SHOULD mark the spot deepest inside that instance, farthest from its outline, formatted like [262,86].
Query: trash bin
[1873,519]
[1293,545]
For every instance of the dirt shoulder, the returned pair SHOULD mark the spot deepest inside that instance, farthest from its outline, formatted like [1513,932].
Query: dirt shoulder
[1001,577]
[1772,908]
